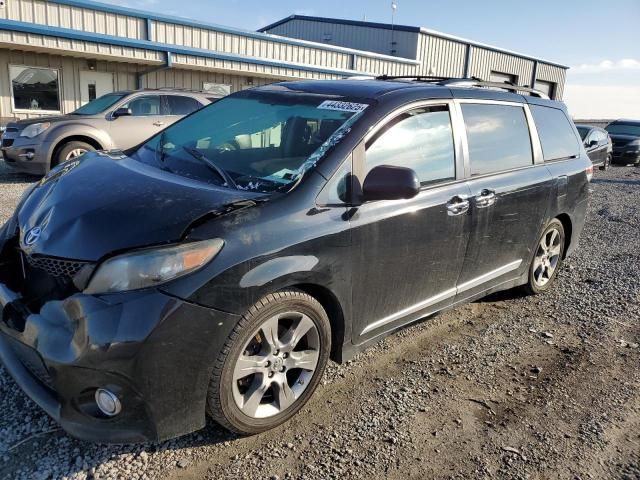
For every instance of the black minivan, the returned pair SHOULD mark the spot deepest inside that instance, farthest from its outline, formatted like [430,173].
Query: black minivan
[218,266]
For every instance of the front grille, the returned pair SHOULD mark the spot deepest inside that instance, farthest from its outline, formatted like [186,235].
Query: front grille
[32,362]
[7,142]
[11,129]
[56,267]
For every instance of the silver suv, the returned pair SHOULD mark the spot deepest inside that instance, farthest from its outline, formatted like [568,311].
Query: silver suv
[118,120]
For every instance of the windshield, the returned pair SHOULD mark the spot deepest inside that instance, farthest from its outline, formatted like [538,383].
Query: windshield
[99,105]
[583,131]
[624,129]
[254,140]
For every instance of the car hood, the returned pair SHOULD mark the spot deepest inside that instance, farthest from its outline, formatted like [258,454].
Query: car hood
[20,124]
[101,204]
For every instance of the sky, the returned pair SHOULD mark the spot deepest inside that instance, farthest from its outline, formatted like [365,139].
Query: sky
[599,40]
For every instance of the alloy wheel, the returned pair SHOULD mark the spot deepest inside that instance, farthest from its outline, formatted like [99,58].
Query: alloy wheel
[75,153]
[276,365]
[547,257]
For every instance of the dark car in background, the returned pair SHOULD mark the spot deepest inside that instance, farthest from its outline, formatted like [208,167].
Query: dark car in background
[625,135]
[237,251]
[116,120]
[597,144]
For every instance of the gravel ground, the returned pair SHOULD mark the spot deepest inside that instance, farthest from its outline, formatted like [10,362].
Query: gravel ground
[509,387]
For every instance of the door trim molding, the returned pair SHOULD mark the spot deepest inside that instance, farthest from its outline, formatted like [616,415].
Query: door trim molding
[452,292]
[474,282]
[409,310]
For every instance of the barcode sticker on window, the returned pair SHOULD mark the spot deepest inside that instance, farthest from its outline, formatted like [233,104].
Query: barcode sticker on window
[342,106]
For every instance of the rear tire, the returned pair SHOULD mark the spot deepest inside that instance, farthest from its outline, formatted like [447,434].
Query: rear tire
[70,151]
[271,363]
[547,259]
[607,163]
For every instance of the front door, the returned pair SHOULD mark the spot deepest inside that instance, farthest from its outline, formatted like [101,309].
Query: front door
[148,117]
[407,254]
[94,85]
[510,195]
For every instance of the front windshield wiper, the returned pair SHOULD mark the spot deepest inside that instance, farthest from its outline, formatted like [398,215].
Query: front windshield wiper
[198,155]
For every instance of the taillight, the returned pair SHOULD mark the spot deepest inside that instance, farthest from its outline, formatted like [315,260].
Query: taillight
[589,171]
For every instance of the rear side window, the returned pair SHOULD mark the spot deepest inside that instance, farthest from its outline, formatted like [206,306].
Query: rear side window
[557,137]
[498,137]
[420,139]
[179,105]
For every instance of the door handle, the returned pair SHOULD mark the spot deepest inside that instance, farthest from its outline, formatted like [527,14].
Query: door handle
[457,205]
[486,198]
[158,124]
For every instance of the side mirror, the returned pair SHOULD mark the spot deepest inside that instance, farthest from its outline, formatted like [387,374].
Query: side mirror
[593,143]
[386,182]
[122,112]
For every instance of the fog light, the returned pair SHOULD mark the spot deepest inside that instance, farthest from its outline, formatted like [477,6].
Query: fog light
[29,155]
[108,402]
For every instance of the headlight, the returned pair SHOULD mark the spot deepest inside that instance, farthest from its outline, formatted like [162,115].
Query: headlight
[148,268]
[634,143]
[35,129]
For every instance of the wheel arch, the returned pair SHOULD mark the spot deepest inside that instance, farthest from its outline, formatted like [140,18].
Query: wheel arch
[334,310]
[75,138]
[565,219]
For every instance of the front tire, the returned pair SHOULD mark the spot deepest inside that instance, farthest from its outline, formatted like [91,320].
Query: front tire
[547,259]
[70,151]
[271,363]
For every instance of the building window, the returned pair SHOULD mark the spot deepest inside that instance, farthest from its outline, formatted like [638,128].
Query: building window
[500,77]
[35,88]
[546,87]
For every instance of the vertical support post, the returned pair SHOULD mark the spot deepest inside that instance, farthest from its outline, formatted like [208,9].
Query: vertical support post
[534,74]
[354,61]
[467,62]
[149,30]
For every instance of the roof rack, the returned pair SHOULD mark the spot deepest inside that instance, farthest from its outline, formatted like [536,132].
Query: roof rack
[185,90]
[476,82]
[468,82]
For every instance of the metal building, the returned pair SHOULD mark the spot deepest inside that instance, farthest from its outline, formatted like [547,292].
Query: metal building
[437,53]
[56,55]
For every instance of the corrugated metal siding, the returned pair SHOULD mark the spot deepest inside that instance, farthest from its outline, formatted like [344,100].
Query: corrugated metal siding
[551,73]
[79,48]
[441,57]
[188,36]
[69,69]
[350,36]
[483,61]
[194,79]
[85,19]
[274,72]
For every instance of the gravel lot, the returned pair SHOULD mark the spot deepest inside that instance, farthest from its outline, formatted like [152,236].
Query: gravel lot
[509,387]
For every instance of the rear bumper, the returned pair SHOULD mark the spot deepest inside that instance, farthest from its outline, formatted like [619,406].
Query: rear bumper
[154,351]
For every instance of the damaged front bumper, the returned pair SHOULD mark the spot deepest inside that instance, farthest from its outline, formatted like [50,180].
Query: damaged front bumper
[153,350]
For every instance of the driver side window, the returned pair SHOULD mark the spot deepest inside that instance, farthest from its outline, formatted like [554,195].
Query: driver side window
[144,106]
[420,139]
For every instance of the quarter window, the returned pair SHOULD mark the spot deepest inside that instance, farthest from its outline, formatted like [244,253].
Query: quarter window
[421,139]
[498,137]
[557,137]
[35,88]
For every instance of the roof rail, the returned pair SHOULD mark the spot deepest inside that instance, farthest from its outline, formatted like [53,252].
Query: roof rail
[476,82]
[419,78]
[467,82]
[185,90]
